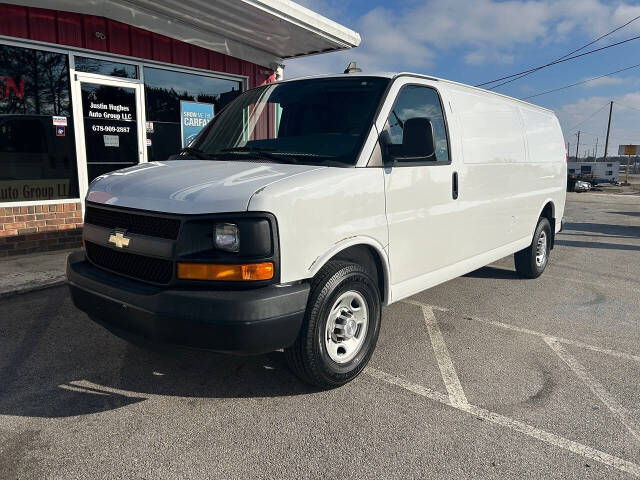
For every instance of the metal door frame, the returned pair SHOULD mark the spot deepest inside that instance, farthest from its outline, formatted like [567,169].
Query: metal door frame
[77,78]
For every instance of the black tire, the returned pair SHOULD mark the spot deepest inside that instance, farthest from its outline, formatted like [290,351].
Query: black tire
[308,356]
[525,260]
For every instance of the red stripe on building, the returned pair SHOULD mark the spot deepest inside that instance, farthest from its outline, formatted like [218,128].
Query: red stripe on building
[104,35]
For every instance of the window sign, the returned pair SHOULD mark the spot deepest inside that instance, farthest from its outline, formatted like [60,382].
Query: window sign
[164,90]
[194,117]
[110,130]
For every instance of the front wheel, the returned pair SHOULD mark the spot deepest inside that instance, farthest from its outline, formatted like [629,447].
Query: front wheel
[340,328]
[531,261]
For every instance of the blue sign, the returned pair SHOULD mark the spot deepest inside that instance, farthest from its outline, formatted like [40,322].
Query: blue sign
[194,116]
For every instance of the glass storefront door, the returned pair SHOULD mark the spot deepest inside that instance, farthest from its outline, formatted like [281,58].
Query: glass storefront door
[111,134]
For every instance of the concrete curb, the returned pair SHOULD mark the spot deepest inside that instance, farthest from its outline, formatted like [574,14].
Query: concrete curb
[19,290]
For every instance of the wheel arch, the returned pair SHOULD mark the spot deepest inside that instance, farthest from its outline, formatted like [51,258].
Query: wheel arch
[365,251]
[548,211]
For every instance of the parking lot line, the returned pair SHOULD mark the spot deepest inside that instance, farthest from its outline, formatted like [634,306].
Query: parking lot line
[516,425]
[457,399]
[447,370]
[412,387]
[422,304]
[596,387]
[566,341]
[528,331]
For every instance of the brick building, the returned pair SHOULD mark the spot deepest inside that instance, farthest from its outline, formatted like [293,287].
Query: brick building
[91,87]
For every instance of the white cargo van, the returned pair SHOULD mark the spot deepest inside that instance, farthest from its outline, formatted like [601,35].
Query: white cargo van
[307,205]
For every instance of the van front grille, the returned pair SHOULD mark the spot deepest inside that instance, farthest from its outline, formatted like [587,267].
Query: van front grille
[133,222]
[148,269]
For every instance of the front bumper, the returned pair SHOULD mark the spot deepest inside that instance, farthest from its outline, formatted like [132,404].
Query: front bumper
[240,321]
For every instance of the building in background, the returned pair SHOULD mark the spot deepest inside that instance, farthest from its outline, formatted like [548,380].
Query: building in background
[598,172]
[91,87]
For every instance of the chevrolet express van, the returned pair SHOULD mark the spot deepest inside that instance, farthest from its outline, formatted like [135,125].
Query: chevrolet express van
[307,205]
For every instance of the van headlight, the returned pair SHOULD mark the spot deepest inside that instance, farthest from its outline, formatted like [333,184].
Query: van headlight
[226,236]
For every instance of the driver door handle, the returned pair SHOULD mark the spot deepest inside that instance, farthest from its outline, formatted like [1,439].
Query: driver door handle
[454,185]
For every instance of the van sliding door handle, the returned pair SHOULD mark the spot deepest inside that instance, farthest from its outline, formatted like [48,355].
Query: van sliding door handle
[454,185]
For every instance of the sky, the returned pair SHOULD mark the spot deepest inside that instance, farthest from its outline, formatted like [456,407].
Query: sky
[474,41]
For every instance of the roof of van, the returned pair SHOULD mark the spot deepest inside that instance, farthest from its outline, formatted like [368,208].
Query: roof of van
[393,75]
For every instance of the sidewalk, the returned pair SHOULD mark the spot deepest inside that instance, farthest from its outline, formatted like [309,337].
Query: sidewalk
[26,273]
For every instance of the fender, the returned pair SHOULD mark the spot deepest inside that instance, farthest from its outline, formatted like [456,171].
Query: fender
[345,243]
[553,207]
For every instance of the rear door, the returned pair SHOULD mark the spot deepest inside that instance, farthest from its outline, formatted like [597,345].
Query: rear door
[421,198]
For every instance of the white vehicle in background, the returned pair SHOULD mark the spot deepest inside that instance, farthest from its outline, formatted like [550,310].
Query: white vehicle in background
[582,186]
[307,205]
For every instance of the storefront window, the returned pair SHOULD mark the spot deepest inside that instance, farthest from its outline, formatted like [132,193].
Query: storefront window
[37,147]
[105,67]
[164,90]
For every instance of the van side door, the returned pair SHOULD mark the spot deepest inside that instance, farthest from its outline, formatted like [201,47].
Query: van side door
[421,193]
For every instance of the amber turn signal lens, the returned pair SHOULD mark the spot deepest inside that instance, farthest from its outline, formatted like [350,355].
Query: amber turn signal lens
[229,273]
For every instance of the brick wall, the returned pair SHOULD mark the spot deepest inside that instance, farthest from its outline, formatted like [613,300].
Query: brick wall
[39,228]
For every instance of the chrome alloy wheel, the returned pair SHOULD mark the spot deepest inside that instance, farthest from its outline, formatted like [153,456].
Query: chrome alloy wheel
[346,327]
[541,249]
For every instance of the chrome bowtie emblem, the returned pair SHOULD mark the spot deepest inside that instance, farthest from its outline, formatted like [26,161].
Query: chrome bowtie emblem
[119,240]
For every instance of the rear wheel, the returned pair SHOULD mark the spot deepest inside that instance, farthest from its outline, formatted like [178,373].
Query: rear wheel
[340,328]
[531,261]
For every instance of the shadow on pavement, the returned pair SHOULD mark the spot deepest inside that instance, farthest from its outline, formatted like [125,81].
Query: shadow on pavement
[606,229]
[610,246]
[55,362]
[494,272]
[630,214]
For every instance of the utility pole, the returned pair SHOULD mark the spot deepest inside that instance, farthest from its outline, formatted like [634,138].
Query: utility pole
[606,143]
[578,146]
[595,152]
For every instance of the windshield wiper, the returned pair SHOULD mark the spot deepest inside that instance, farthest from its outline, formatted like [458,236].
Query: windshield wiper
[264,153]
[195,152]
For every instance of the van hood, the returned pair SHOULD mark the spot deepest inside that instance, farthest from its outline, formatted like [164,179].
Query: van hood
[190,186]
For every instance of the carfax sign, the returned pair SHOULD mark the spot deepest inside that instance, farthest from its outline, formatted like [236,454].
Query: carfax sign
[193,118]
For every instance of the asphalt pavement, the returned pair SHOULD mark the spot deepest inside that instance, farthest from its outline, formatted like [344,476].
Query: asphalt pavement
[485,376]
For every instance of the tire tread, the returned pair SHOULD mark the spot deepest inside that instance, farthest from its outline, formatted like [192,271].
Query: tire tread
[299,356]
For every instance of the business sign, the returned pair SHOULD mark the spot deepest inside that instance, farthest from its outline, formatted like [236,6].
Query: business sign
[30,190]
[9,87]
[194,116]
[628,150]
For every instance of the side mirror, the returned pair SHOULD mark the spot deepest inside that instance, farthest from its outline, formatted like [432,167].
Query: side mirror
[418,139]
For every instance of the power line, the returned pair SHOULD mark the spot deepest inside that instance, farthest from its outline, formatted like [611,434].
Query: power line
[582,82]
[589,52]
[570,53]
[627,106]
[612,136]
[590,116]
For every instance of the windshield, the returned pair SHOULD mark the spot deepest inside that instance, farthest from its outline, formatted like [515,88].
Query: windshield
[316,121]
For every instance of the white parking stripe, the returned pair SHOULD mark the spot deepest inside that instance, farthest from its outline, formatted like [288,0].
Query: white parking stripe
[516,425]
[447,370]
[77,388]
[412,387]
[421,304]
[596,387]
[607,351]
[506,326]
